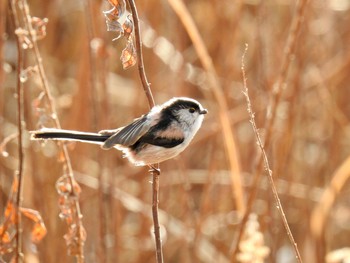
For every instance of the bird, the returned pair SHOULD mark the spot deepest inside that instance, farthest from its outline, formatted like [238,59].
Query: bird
[161,134]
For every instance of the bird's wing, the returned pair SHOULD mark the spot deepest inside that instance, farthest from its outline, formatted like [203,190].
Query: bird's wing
[161,141]
[129,134]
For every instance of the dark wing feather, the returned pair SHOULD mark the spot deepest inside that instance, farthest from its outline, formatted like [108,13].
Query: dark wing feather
[161,141]
[129,134]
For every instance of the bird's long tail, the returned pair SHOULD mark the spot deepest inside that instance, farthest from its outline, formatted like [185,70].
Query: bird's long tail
[68,135]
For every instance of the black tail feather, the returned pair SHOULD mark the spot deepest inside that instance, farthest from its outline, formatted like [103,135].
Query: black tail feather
[69,135]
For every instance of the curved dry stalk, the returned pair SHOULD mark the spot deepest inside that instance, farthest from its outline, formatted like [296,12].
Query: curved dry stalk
[145,84]
[230,142]
[155,171]
[266,163]
[277,95]
[320,213]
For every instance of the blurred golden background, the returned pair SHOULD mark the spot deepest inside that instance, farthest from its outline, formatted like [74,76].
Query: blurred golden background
[203,192]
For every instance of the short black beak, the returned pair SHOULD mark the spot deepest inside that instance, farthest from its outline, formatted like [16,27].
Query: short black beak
[203,111]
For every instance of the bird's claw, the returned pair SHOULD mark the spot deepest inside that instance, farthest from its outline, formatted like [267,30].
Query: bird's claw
[154,169]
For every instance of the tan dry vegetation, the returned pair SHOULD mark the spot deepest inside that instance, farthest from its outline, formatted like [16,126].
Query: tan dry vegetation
[200,202]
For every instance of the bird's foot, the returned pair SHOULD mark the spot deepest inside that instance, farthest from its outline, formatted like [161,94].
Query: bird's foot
[154,169]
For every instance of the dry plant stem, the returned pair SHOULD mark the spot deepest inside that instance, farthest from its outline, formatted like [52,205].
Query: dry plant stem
[231,148]
[320,213]
[266,163]
[155,171]
[145,84]
[155,189]
[19,198]
[45,85]
[19,174]
[286,61]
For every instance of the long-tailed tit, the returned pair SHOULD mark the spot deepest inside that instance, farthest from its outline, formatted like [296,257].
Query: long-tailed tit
[159,135]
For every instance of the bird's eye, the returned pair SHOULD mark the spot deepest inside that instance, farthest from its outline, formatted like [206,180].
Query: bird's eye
[192,110]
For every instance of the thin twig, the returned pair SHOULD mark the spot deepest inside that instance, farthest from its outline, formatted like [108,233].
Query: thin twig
[155,202]
[266,162]
[277,95]
[155,207]
[155,171]
[20,63]
[145,84]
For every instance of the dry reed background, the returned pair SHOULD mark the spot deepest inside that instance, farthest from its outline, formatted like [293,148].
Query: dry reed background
[308,151]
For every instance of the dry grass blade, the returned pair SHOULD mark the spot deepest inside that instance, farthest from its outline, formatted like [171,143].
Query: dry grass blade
[229,137]
[321,211]
[19,173]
